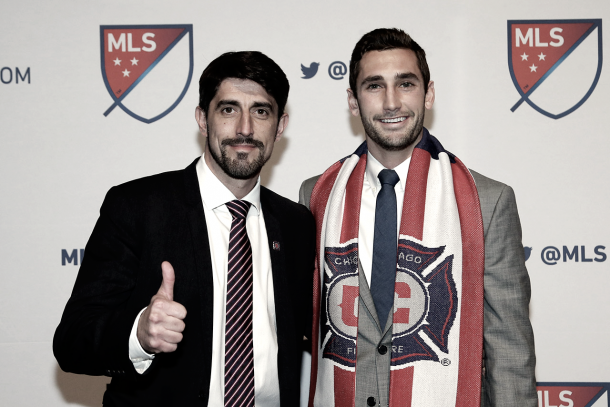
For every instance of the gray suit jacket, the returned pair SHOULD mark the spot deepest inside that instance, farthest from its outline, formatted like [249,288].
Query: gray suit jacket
[508,350]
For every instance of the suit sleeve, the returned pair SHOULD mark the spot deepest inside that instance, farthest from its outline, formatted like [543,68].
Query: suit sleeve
[306,190]
[93,335]
[508,337]
[303,197]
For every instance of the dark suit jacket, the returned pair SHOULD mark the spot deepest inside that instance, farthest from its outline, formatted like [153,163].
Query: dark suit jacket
[141,224]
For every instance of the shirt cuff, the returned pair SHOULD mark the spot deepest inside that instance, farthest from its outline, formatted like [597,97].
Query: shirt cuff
[139,357]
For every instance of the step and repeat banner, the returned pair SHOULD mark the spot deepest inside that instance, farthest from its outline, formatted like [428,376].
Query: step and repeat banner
[94,94]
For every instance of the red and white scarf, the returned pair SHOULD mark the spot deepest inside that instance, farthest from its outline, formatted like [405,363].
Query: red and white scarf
[437,330]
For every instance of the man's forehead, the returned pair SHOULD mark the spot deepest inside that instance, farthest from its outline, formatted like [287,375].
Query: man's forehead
[389,64]
[242,87]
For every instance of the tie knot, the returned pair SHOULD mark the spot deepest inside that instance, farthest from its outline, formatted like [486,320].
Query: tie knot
[388,177]
[239,209]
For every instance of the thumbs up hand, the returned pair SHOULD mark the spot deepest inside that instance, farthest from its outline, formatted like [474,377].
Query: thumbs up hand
[161,324]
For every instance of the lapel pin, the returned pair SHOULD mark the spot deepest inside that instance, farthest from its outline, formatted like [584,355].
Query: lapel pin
[276,246]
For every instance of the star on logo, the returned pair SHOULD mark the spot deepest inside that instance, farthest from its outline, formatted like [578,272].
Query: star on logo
[134,61]
[117,62]
[126,73]
[524,57]
[533,68]
[541,57]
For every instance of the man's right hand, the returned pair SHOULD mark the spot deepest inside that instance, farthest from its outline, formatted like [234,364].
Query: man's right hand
[161,324]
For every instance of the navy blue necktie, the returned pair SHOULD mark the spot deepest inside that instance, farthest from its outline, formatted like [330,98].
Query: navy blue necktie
[384,246]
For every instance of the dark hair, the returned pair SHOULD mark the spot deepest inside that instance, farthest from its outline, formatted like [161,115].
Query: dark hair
[383,39]
[252,65]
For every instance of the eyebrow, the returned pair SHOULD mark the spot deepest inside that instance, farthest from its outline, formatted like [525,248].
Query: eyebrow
[403,75]
[371,78]
[407,75]
[263,104]
[231,102]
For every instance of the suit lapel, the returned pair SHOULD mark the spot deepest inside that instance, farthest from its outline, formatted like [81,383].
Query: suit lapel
[366,297]
[203,266]
[278,262]
[281,293]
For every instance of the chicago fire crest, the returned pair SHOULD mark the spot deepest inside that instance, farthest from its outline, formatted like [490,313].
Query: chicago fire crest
[425,304]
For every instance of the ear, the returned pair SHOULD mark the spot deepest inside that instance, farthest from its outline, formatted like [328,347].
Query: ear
[281,126]
[352,103]
[201,121]
[429,100]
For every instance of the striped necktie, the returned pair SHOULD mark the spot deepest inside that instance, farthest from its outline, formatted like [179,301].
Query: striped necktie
[239,352]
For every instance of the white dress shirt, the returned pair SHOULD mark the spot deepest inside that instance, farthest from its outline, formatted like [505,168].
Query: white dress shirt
[218,220]
[370,189]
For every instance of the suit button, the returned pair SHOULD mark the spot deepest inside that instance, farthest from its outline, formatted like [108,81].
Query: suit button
[382,349]
[371,401]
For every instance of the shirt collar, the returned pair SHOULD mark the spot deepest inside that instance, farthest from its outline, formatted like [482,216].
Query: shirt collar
[214,194]
[374,167]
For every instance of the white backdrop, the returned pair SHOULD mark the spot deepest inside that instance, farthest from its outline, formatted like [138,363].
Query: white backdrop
[60,154]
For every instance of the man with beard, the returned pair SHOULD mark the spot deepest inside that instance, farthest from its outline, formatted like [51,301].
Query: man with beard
[421,293]
[209,240]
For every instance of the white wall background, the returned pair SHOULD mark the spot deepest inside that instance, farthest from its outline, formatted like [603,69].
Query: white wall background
[59,154]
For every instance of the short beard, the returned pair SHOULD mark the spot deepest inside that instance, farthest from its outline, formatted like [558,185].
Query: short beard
[239,168]
[393,144]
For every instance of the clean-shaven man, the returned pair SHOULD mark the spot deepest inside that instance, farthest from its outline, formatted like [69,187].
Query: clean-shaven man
[196,286]
[421,296]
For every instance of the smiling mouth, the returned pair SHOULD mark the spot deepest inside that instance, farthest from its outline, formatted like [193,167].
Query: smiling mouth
[394,120]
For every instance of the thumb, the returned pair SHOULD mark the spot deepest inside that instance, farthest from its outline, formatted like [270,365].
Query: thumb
[167,285]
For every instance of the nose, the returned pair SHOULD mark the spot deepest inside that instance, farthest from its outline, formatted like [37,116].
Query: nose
[391,101]
[244,128]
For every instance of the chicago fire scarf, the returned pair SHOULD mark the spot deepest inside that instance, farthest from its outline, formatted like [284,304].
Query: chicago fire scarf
[437,337]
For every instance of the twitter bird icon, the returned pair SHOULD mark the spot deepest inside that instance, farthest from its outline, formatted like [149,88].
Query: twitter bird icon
[311,71]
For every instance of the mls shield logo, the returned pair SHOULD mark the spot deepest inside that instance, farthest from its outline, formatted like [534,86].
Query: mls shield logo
[147,69]
[573,394]
[554,64]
